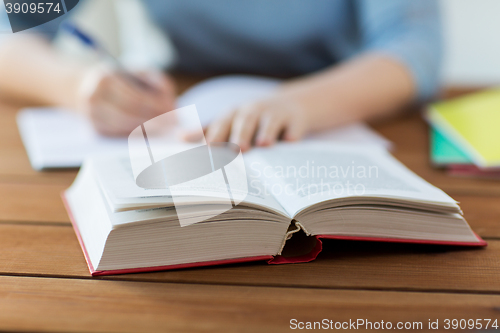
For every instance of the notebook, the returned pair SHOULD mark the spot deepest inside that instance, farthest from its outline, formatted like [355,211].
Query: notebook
[471,123]
[444,152]
[56,138]
[298,194]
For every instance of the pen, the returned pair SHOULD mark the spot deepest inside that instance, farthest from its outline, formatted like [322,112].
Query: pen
[91,43]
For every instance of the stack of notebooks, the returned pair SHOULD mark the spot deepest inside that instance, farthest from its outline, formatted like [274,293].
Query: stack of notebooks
[298,194]
[464,134]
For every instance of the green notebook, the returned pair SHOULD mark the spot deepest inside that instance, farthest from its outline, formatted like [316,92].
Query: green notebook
[444,151]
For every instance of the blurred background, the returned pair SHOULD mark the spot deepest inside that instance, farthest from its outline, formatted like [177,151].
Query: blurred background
[472,46]
[472,54]
[472,51]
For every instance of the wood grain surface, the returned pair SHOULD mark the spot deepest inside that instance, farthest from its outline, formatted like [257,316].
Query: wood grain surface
[45,284]
[73,305]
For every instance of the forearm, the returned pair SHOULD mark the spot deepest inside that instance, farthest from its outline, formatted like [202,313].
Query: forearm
[31,70]
[364,88]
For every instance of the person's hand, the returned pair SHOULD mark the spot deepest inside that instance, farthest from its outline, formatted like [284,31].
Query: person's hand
[261,124]
[116,105]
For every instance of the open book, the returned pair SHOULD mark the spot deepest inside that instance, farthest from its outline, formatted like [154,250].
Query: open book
[297,195]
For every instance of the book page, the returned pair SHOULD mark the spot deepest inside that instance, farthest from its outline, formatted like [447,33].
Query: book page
[300,175]
[116,179]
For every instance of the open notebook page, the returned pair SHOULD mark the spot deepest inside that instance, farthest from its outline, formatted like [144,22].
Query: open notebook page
[57,138]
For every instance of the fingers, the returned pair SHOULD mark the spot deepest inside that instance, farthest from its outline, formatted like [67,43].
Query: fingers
[219,130]
[116,105]
[191,136]
[271,126]
[266,122]
[244,126]
[161,82]
[297,124]
[111,121]
[238,127]
[295,130]
[136,100]
[164,92]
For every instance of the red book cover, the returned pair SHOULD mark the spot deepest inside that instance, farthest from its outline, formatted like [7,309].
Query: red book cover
[473,171]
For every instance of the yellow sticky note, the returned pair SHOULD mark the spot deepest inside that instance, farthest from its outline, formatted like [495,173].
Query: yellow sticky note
[473,123]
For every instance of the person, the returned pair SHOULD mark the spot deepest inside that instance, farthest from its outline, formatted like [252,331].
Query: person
[346,60]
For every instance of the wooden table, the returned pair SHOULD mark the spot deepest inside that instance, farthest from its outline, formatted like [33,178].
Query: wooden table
[45,284]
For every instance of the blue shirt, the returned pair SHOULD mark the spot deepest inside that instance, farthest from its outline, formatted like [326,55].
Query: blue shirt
[296,37]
